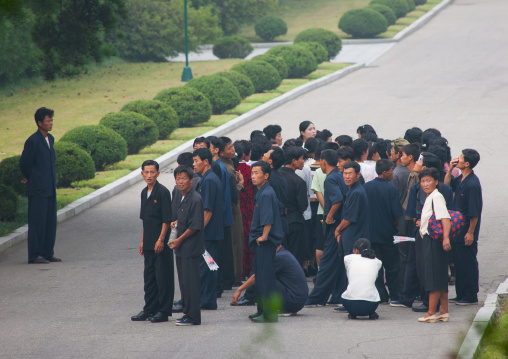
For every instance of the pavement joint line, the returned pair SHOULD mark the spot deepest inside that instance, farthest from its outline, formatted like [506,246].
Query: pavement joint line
[111,189]
[483,318]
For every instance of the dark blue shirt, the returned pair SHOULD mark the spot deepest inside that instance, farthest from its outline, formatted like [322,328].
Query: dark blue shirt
[335,191]
[384,209]
[417,197]
[266,211]
[469,201]
[290,274]
[226,192]
[280,186]
[356,210]
[210,189]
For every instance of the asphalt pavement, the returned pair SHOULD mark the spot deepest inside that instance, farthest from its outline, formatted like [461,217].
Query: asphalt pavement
[452,75]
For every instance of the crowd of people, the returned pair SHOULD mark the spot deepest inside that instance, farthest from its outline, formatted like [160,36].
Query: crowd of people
[372,221]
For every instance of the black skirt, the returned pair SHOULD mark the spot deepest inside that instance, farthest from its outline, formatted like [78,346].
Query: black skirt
[435,265]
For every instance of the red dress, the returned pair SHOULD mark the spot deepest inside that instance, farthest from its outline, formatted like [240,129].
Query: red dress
[247,209]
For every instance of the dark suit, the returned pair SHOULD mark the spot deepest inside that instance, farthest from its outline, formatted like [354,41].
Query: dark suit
[37,163]
[159,268]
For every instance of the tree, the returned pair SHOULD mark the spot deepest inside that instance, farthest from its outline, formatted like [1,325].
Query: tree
[154,29]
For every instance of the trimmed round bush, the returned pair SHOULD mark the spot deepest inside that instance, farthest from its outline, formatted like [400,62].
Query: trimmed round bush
[72,164]
[330,40]
[300,61]
[399,7]
[269,27]
[9,203]
[420,2]
[263,75]
[191,105]
[384,10]
[232,47]
[364,23]
[137,130]
[242,83]
[221,92]
[104,145]
[10,175]
[411,6]
[317,50]
[276,61]
[162,114]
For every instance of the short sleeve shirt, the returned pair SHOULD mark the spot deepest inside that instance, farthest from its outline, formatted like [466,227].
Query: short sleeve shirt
[190,215]
[266,211]
[434,203]
[226,193]
[318,185]
[355,209]
[335,191]
[210,189]
[469,201]
[155,210]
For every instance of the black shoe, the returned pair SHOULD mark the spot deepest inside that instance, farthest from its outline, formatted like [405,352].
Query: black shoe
[243,302]
[259,313]
[182,318]
[208,308]
[263,319]
[306,272]
[422,308]
[141,316]
[312,270]
[351,316]
[53,259]
[177,307]
[159,317]
[185,321]
[39,260]
[374,316]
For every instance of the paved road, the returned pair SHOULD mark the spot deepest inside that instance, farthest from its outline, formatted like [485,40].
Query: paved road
[452,75]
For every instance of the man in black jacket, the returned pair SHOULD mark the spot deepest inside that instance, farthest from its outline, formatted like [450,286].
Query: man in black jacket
[37,163]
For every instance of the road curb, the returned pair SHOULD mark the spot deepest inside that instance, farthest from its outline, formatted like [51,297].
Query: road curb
[165,160]
[482,319]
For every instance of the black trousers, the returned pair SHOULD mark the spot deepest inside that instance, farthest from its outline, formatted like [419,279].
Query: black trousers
[266,285]
[225,261]
[295,241]
[209,277]
[41,227]
[413,284]
[388,254]
[190,287]
[466,271]
[159,281]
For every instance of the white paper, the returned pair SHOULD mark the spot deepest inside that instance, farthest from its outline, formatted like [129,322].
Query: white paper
[402,239]
[210,261]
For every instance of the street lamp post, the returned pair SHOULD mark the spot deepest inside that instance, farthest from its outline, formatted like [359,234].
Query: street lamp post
[187,72]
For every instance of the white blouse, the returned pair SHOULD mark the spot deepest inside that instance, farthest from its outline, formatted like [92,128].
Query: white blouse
[439,208]
[361,274]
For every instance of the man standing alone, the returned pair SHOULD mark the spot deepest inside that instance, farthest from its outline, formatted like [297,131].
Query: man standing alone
[37,163]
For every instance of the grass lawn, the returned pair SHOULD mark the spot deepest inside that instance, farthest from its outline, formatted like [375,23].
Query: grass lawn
[494,344]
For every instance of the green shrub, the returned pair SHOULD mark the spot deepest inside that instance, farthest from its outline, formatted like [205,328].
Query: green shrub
[229,47]
[399,7]
[317,50]
[420,2]
[191,105]
[276,61]
[364,22]
[411,6]
[9,203]
[263,75]
[221,92]
[137,130]
[269,27]
[72,164]
[384,10]
[104,145]
[327,38]
[10,175]
[300,61]
[242,83]
[162,114]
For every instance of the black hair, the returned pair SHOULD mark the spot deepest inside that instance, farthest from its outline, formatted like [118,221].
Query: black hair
[329,146]
[185,159]
[354,165]
[303,126]
[372,150]
[317,151]
[434,131]
[346,153]
[278,158]
[388,144]
[150,163]
[324,135]
[311,144]
[293,153]
[360,146]
[216,142]
[271,131]
[225,140]
[363,246]
[265,167]
[41,114]
[344,140]
[369,136]
[383,165]
[427,137]
[431,171]
[471,156]
[331,157]
[203,154]
[413,135]
[255,134]
[411,150]
[259,148]
[440,152]
[381,148]
[365,128]
[431,160]
[247,146]
[201,140]
[184,169]
[443,142]
[239,151]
